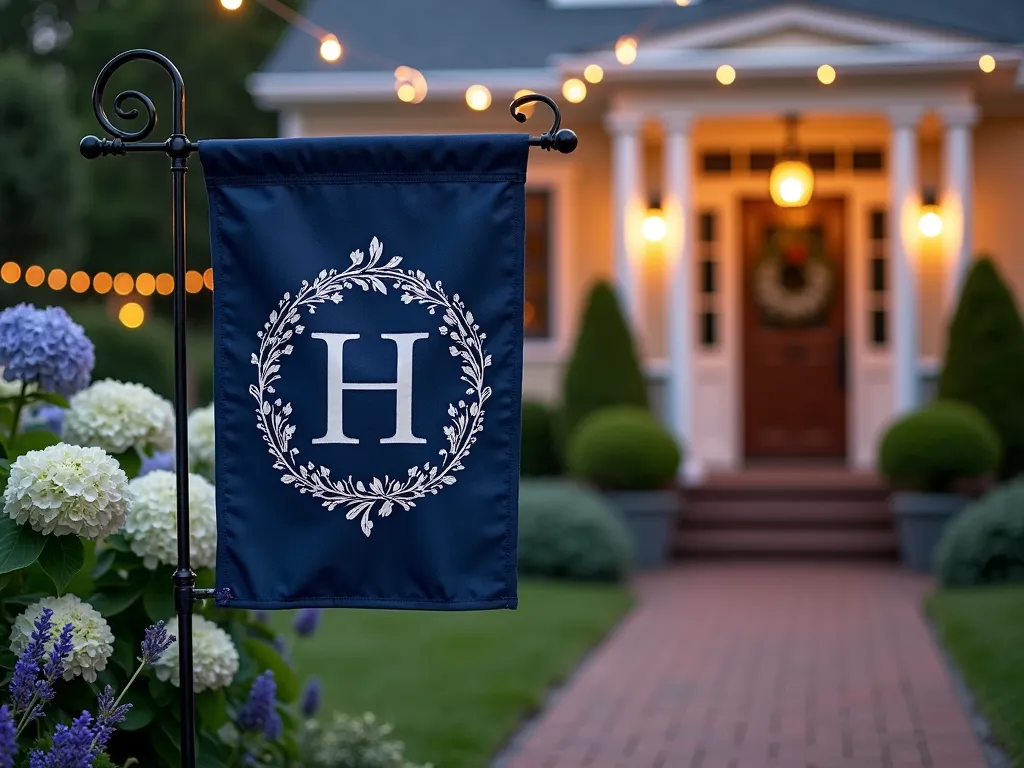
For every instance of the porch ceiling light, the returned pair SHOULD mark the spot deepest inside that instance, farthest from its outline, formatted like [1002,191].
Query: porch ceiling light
[625,50]
[987,63]
[654,227]
[574,90]
[725,74]
[791,183]
[478,97]
[930,223]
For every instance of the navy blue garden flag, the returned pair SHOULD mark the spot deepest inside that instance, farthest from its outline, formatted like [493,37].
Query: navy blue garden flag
[368,319]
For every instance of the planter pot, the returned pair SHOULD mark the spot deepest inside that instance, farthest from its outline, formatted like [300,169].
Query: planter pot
[651,518]
[920,519]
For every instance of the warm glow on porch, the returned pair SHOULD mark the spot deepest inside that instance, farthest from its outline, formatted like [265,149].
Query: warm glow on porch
[987,63]
[725,74]
[478,97]
[331,49]
[654,227]
[791,184]
[574,90]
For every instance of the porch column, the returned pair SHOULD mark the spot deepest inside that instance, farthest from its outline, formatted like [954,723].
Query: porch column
[678,205]
[957,198]
[904,196]
[627,211]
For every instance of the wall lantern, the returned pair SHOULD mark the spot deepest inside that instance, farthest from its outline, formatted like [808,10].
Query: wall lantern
[791,183]
[930,223]
[654,227]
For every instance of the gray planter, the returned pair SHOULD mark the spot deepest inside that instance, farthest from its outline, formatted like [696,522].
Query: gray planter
[920,519]
[651,518]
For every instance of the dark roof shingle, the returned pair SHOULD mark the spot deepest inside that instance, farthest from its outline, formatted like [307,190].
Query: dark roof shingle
[522,34]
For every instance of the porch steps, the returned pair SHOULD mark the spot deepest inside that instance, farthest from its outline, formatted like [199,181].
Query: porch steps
[786,511]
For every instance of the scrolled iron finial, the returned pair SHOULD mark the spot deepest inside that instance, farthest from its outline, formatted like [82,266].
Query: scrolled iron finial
[124,141]
[557,138]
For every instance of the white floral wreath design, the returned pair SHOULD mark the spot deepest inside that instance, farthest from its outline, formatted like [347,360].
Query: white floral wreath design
[792,306]
[467,417]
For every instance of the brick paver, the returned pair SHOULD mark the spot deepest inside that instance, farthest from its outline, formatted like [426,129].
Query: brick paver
[762,666]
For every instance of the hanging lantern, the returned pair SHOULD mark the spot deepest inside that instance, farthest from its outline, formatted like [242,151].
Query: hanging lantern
[654,227]
[791,183]
[930,222]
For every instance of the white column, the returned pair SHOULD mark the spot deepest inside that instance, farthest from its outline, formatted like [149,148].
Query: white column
[627,211]
[904,197]
[957,198]
[678,204]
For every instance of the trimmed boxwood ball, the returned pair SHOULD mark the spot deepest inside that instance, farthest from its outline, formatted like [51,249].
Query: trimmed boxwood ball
[539,455]
[985,543]
[568,531]
[931,449]
[623,448]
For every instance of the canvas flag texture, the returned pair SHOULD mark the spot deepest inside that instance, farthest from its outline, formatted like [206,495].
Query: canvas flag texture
[368,322]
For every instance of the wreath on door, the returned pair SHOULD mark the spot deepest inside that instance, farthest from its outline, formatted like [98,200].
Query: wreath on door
[793,279]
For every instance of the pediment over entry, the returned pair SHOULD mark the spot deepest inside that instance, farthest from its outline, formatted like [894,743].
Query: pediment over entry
[797,26]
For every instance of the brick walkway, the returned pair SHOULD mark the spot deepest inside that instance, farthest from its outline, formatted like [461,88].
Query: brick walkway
[762,666]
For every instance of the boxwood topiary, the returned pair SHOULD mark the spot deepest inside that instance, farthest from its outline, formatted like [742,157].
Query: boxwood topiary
[984,544]
[984,362]
[933,448]
[623,449]
[604,369]
[568,531]
[539,455]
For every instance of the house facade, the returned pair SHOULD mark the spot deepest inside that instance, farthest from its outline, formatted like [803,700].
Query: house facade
[769,331]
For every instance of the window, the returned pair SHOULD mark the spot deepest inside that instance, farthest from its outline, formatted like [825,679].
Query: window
[538,266]
[717,162]
[709,279]
[878,332]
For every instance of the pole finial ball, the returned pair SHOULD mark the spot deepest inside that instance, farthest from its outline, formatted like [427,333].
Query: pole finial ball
[91,147]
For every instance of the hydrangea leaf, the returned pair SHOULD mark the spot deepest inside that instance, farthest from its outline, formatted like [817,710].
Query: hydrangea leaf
[35,440]
[212,709]
[130,461]
[111,602]
[142,712]
[267,657]
[62,557]
[158,599]
[20,546]
[51,398]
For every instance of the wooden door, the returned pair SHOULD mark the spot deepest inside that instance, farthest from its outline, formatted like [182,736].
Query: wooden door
[794,330]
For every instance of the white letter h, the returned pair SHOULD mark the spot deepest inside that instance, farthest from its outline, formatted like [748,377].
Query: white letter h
[336,385]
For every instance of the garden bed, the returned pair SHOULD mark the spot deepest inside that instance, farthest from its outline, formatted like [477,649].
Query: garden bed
[983,630]
[456,685]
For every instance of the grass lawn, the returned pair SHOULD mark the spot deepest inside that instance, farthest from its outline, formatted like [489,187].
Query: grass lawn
[456,684]
[983,629]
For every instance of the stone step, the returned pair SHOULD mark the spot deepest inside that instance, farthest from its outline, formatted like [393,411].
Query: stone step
[760,541]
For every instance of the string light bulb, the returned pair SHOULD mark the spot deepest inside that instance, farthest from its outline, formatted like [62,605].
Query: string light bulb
[987,63]
[725,74]
[10,272]
[131,315]
[478,97]
[231,5]
[574,90]
[682,3]
[57,280]
[331,49]
[826,74]
[593,73]
[526,109]
[625,50]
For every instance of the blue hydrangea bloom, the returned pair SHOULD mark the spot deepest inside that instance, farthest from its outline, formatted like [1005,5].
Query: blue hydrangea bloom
[46,417]
[45,347]
[163,460]
[8,744]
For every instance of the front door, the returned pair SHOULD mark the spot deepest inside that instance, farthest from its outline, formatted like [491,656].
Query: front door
[794,330]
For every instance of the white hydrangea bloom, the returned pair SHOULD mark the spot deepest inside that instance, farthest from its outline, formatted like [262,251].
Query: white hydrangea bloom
[68,489]
[214,656]
[151,527]
[200,437]
[117,416]
[91,638]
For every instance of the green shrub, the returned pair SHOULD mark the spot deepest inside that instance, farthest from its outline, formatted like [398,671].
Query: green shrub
[539,455]
[568,531]
[984,544]
[144,355]
[351,742]
[604,369]
[623,448]
[930,449]
[984,362]
[200,366]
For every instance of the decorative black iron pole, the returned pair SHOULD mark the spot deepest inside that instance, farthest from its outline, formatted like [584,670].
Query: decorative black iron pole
[178,148]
